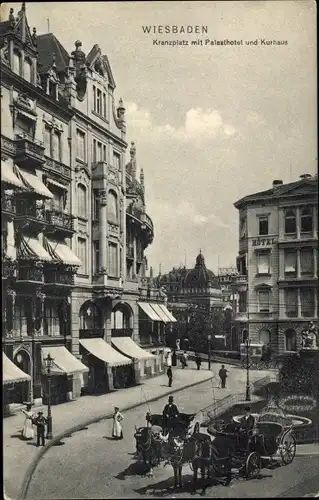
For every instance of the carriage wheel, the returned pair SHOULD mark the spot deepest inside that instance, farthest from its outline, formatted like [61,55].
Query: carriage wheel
[288,450]
[253,465]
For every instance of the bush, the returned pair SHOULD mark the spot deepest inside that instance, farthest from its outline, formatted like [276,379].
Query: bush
[299,376]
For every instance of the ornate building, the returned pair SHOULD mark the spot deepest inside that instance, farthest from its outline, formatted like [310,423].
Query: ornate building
[277,264]
[74,225]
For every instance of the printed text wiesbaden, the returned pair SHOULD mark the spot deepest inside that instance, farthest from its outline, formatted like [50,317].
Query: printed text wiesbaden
[187,29]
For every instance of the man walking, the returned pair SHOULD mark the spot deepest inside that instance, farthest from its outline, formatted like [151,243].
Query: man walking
[169,373]
[184,359]
[40,422]
[198,361]
[223,375]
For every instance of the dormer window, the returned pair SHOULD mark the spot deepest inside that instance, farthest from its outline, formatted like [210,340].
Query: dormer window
[53,90]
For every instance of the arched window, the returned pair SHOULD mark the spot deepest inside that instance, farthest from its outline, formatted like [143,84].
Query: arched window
[244,335]
[290,340]
[82,202]
[27,70]
[112,208]
[290,221]
[264,336]
[16,63]
[90,316]
[306,220]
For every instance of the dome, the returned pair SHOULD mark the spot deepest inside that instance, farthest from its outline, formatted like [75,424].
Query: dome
[200,276]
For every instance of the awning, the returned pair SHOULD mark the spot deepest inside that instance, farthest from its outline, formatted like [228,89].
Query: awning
[31,248]
[105,352]
[149,311]
[160,313]
[8,176]
[32,181]
[64,362]
[12,373]
[168,313]
[61,251]
[128,347]
[57,184]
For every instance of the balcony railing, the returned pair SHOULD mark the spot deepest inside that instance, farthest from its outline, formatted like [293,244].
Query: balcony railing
[8,204]
[91,333]
[59,219]
[122,332]
[8,267]
[129,252]
[30,274]
[28,150]
[240,279]
[148,221]
[57,167]
[29,209]
[57,277]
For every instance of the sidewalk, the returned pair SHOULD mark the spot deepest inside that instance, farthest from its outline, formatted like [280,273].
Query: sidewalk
[20,457]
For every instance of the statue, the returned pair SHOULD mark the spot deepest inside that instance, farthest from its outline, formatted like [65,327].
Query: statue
[309,337]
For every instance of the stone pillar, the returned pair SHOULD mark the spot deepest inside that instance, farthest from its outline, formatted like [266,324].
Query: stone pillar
[298,263]
[75,325]
[134,255]
[9,328]
[39,313]
[315,303]
[281,303]
[315,222]
[298,223]
[107,312]
[298,303]
[110,377]
[315,263]
[103,231]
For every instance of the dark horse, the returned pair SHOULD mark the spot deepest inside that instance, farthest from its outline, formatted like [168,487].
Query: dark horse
[149,446]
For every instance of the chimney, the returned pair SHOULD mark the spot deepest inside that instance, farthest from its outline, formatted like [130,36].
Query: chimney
[276,183]
[306,176]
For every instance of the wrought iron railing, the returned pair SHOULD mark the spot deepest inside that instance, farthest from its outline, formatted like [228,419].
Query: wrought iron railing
[122,332]
[27,147]
[27,208]
[59,219]
[58,277]
[8,204]
[91,333]
[30,274]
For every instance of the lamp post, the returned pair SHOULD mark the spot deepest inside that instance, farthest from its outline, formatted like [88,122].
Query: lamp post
[209,339]
[247,370]
[48,364]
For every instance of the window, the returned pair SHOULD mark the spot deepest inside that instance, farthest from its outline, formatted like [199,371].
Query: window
[94,150]
[113,260]
[243,225]
[23,126]
[112,212]
[104,152]
[82,254]
[20,319]
[291,302]
[99,152]
[82,205]
[242,302]
[96,205]
[51,324]
[290,262]
[98,102]
[306,261]
[290,340]
[58,199]
[307,300]
[306,220]
[264,300]
[116,161]
[290,222]
[47,140]
[80,143]
[27,70]
[16,63]
[263,263]
[263,225]
[56,145]
[264,336]
[94,97]
[96,257]
[104,105]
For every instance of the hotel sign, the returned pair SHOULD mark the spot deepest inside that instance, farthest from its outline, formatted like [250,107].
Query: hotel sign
[263,242]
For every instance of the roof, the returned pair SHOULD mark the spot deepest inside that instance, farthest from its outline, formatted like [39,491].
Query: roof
[308,185]
[200,275]
[47,45]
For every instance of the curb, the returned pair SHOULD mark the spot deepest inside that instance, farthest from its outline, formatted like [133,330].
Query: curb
[308,454]
[32,467]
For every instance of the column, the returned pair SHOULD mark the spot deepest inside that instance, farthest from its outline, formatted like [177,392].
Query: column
[39,313]
[298,303]
[103,231]
[298,263]
[298,222]
[281,303]
[315,263]
[315,302]
[134,255]
[9,321]
[314,222]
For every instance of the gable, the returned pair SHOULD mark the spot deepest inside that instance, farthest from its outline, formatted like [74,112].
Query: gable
[22,31]
[303,188]
[95,57]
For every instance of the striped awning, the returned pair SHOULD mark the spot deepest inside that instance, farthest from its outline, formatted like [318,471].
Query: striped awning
[105,352]
[33,182]
[159,312]
[31,248]
[149,311]
[60,251]
[63,361]
[168,313]
[9,177]
[11,372]
[128,347]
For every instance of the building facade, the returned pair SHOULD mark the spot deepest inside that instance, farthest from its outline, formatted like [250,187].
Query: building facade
[75,226]
[277,285]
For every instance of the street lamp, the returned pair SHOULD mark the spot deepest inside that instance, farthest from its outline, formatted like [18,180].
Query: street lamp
[48,364]
[209,337]
[247,370]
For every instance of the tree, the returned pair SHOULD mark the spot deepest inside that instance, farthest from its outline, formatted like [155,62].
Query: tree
[203,321]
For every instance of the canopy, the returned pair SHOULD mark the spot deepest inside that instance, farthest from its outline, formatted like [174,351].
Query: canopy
[64,361]
[159,312]
[168,313]
[128,347]
[31,247]
[11,372]
[149,311]
[103,351]
[8,176]
[32,181]
[61,251]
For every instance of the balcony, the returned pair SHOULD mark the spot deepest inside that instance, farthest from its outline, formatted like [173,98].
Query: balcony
[129,252]
[91,333]
[56,277]
[30,273]
[148,221]
[122,332]
[59,221]
[8,205]
[240,282]
[29,151]
[57,167]
[30,211]
[8,267]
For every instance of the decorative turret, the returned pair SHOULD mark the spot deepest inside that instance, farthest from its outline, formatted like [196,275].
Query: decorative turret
[69,82]
[121,113]
[133,160]
[142,178]
[78,55]
[34,36]
[200,260]
[12,20]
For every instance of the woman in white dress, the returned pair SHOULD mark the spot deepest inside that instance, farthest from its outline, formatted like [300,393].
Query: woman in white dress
[27,431]
[117,432]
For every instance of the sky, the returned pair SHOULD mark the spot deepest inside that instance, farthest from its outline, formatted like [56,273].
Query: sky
[211,123]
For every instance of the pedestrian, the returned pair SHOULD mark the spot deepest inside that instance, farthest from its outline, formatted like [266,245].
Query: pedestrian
[174,358]
[198,361]
[40,422]
[184,359]
[223,375]
[117,432]
[28,431]
[169,373]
